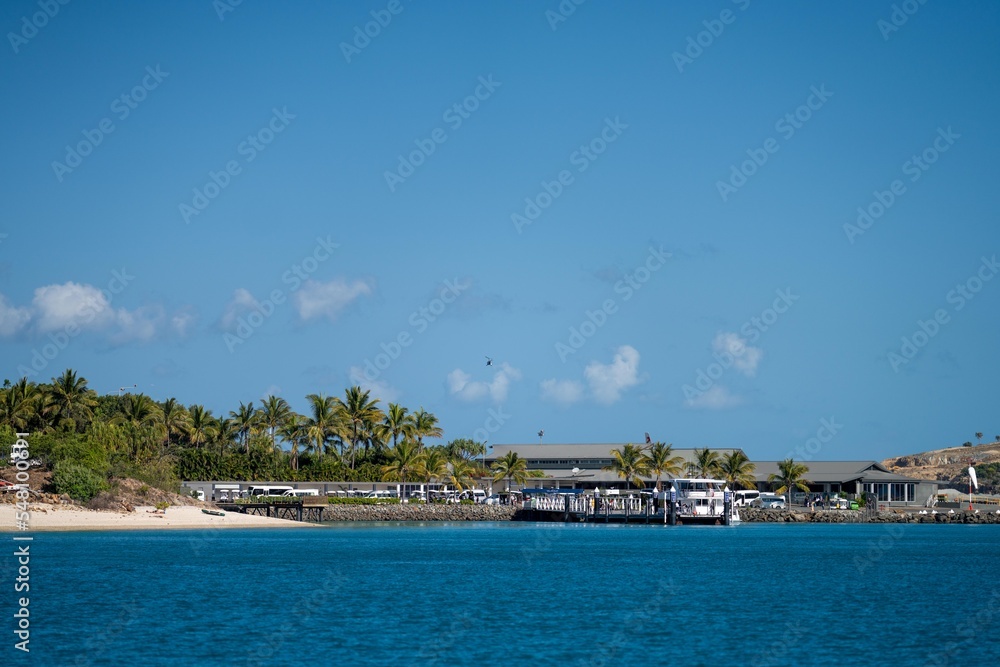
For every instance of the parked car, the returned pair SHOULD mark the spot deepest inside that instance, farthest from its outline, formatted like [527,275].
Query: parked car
[770,501]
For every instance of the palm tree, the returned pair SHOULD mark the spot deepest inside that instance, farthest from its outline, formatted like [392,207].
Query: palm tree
[979,437]
[360,412]
[18,404]
[433,464]
[630,463]
[69,400]
[398,423]
[790,475]
[292,431]
[660,461]
[511,467]
[245,420]
[274,412]
[425,425]
[176,420]
[463,472]
[737,470]
[203,425]
[139,414]
[324,424]
[706,463]
[404,461]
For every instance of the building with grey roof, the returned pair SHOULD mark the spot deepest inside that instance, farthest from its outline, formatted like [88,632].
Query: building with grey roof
[580,466]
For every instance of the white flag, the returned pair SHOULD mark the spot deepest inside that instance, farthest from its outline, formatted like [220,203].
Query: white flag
[972,476]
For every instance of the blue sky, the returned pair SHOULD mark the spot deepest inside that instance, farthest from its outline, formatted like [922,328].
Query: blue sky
[647,214]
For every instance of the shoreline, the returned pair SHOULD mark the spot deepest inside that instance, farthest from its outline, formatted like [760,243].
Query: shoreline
[44,518]
[69,518]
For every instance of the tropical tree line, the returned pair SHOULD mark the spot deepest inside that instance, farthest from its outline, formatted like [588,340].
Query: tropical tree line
[657,460]
[635,464]
[349,437]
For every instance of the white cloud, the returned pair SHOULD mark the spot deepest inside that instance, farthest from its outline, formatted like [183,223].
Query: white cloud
[59,306]
[183,321]
[607,381]
[461,384]
[319,299]
[242,303]
[12,318]
[379,389]
[716,397]
[745,357]
[564,392]
[78,307]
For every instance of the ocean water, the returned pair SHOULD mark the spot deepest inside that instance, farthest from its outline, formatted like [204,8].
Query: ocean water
[517,594]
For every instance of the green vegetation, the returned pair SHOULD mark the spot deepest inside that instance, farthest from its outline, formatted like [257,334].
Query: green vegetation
[630,463]
[77,481]
[737,470]
[790,475]
[89,440]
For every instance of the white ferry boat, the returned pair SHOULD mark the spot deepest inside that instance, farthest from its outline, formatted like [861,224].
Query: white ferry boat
[701,500]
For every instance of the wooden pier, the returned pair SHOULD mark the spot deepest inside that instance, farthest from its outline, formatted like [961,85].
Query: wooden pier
[587,509]
[294,510]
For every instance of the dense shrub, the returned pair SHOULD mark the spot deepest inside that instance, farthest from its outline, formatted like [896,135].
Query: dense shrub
[76,481]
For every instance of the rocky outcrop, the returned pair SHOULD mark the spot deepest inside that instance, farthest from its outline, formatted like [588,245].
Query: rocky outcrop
[433,512]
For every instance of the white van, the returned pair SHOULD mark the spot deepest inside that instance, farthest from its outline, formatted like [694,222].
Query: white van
[268,491]
[744,498]
[298,493]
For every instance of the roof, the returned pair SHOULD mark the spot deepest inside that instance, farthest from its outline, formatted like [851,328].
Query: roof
[580,452]
[559,460]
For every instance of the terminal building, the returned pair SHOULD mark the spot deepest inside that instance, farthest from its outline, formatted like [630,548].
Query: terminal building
[580,466]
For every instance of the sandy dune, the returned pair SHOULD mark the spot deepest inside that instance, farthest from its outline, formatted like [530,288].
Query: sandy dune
[53,518]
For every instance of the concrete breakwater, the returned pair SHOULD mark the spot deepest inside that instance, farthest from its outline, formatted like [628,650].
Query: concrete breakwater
[433,512]
[753,515]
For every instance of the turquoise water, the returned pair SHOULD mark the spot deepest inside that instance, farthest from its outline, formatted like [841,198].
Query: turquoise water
[519,595]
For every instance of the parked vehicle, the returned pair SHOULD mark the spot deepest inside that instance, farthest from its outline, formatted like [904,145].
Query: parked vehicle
[745,498]
[770,501]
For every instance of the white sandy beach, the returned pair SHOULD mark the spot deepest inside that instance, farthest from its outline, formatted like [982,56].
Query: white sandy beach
[62,518]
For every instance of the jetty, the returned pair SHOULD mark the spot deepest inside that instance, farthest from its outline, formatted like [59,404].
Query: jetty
[309,508]
[625,509]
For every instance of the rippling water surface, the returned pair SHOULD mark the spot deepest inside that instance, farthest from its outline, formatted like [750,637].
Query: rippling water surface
[519,594]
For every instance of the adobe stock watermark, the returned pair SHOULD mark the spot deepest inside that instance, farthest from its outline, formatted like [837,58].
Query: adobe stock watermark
[877,549]
[958,297]
[734,350]
[31,25]
[248,149]
[454,116]
[980,618]
[898,17]
[786,127]
[419,321]
[627,287]
[121,107]
[562,12]
[778,650]
[698,43]
[294,276]
[582,158]
[495,419]
[223,7]
[363,35]
[85,314]
[807,451]
[914,168]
